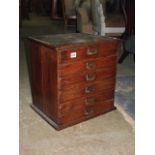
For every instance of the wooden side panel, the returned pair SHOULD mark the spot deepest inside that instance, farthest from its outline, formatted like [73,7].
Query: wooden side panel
[36,76]
[69,88]
[44,79]
[49,60]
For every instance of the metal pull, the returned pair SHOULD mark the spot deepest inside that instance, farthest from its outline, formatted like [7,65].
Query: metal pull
[91,65]
[89,89]
[91,51]
[90,77]
[90,101]
[89,112]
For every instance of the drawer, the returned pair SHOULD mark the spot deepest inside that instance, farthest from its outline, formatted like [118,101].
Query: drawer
[103,107]
[86,52]
[83,66]
[82,102]
[87,112]
[99,108]
[88,76]
[78,90]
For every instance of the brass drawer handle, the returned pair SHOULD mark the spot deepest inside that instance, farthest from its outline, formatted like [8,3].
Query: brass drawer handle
[90,101]
[90,77]
[89,89]
[88,112]
[91,51]
[91,65]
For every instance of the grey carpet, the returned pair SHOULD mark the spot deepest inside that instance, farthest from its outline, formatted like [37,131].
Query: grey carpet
[125,94]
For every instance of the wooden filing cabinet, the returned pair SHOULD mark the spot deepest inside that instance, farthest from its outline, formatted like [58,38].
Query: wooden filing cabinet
[72,77]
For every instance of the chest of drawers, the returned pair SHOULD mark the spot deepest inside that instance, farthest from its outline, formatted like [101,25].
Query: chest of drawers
[72,77]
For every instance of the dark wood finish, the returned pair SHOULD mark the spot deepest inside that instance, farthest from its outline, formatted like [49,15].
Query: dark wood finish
[79,90]
[79,68]
[67,90]
[91,51]
[71,105]
[42,61]
[83,78]
[85,113]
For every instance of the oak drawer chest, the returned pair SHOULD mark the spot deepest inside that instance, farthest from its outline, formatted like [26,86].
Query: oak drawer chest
[72,77]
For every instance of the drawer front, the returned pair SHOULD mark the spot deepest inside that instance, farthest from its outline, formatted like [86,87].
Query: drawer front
[88,76]
[83,66]
[67,107]
[86,112]
[78,90]
[98,108]
[87,52]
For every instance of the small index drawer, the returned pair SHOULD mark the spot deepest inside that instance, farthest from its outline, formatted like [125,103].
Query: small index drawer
[87,52]
[72,55]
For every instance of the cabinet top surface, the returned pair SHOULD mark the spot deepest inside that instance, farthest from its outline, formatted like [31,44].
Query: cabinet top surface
[70,38]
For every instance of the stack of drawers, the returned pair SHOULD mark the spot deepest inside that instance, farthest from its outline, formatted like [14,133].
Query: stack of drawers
[73,77]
